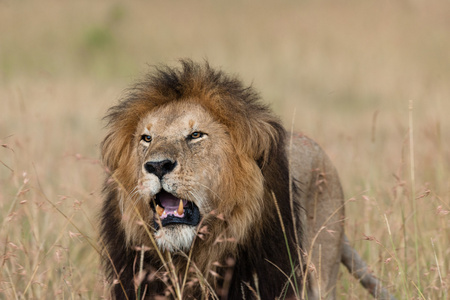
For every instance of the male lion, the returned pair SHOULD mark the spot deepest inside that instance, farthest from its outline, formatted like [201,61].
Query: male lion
[207,197]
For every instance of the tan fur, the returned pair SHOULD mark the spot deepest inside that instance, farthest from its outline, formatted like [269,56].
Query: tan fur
[233,173]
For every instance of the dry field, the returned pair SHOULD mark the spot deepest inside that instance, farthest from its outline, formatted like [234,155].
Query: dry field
[369,80]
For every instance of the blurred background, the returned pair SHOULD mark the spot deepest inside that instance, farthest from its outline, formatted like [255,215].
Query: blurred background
[353,75]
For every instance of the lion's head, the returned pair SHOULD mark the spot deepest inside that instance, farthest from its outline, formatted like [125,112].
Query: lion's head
[185,146]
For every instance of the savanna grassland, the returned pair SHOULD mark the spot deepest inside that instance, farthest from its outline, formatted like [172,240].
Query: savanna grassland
[369,80]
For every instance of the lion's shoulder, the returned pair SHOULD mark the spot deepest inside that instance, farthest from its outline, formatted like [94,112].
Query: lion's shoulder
[308,162]
[304,156]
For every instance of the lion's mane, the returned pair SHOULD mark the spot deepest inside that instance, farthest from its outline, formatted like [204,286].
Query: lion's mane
[254,192]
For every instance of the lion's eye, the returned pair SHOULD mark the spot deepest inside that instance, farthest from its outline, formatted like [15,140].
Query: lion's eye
[146,138]
[196,135]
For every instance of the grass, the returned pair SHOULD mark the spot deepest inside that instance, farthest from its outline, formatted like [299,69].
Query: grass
[348,69]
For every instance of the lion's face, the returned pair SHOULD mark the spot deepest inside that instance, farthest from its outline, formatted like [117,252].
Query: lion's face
[185,152]
[181,152]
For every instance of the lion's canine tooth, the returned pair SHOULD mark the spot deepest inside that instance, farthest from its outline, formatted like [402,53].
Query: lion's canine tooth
[159,210]
[180,208]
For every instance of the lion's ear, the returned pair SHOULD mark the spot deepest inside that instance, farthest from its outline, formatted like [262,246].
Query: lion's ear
[274,139]
[115,148]
[263,139]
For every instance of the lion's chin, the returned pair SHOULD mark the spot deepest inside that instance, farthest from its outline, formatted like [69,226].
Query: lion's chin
[175,238]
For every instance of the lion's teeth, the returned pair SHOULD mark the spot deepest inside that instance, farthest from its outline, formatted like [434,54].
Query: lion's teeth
[159,210]
[180,208]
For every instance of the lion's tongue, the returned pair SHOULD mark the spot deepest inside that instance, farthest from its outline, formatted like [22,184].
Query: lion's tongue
[171,210]
[169,201]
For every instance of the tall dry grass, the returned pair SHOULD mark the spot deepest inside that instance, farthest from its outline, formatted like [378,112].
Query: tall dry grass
[349,71]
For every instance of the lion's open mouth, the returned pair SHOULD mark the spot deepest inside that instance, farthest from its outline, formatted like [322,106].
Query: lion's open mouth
[173,210]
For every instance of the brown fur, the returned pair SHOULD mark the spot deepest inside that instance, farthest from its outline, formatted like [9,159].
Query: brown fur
[239,177]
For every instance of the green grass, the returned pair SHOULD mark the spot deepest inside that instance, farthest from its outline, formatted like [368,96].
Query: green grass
[348,70]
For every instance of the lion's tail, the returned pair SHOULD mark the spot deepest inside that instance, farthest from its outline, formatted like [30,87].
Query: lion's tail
[358,268]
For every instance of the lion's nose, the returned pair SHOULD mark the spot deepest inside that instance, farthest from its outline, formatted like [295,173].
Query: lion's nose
[160,168]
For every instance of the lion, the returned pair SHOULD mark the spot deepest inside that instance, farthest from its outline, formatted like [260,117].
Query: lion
[208,197]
